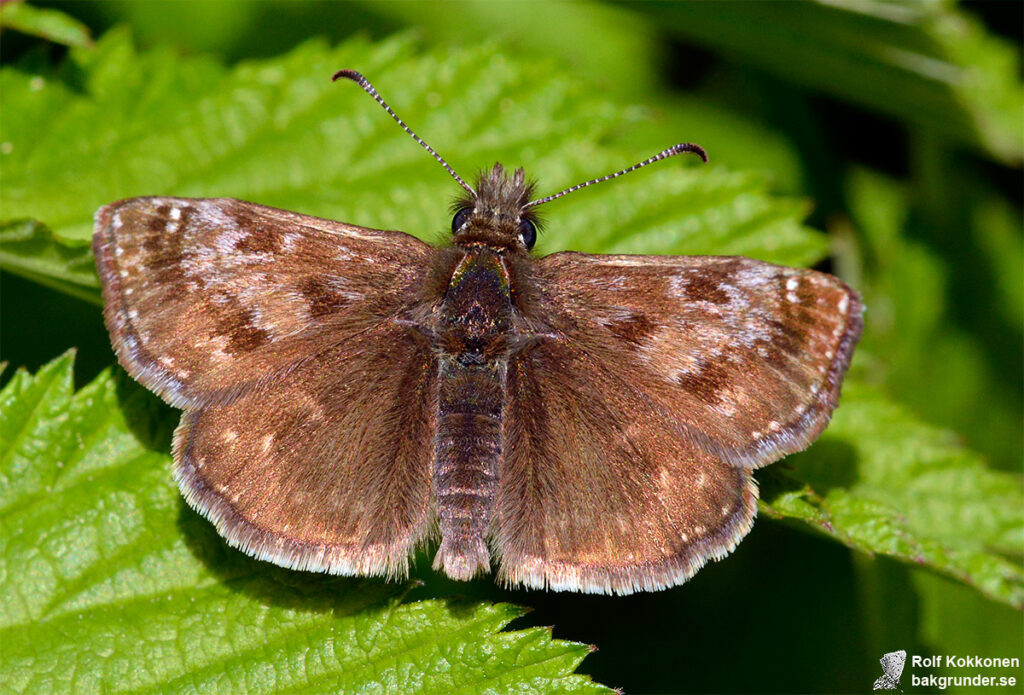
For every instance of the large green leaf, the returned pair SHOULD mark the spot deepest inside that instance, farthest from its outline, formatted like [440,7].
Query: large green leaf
[884,482]
[114,123]
[924,356]
[30,249]
[108,583]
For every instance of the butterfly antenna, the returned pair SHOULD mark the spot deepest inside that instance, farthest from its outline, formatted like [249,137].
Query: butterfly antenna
[670,152]
[368,88]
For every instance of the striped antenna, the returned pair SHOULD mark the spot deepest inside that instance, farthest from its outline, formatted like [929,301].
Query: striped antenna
[670,152]
[368,88]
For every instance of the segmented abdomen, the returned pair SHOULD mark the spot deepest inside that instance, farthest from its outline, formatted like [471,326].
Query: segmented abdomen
[466,454]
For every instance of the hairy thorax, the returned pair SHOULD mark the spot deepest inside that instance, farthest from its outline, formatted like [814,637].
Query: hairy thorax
[475,315]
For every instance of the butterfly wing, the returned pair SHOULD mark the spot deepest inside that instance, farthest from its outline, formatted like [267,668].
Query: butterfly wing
[653,385]
[748,357]
[309,403]
[597,491]
[205,298]
[328,471]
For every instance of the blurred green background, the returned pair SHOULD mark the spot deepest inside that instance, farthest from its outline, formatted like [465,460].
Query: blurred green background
[900,123]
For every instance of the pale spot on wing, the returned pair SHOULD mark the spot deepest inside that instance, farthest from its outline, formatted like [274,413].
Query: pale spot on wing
[844,304]
[688,364]
[211,215]
[666,480]
[791,286]
[215,347]
[734,396]
[726,409]
[266,443]
[288,241]
[175,214]
[229,436]
[313,408]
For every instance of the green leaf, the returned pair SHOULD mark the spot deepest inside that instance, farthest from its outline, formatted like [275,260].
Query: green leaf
[279,133]
[925,63]
[33,251]
[883,482]
[48,24]
[108,583]
[916,345]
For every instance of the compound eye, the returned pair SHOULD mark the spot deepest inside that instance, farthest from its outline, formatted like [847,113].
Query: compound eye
[527,233]
[460,218]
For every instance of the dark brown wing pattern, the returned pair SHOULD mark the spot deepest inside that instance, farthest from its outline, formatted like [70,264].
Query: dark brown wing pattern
[310,411]
[631,427]
[205,298]
[748,357]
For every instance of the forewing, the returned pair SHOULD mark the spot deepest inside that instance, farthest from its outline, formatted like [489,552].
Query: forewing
[598,492]
[205,298]
[329,470]
[745,358]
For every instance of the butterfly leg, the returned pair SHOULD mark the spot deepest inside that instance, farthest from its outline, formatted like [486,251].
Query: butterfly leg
[467,451]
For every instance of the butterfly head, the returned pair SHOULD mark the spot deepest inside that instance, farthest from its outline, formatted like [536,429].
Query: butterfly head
[497,213]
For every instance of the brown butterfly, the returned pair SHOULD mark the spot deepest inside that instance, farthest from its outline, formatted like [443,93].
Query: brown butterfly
[588,423]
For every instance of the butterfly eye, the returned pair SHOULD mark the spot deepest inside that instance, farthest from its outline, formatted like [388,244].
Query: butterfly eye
[527,233]
[460,218]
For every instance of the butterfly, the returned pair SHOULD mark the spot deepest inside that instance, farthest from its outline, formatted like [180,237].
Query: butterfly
[582,422]
[892,670]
